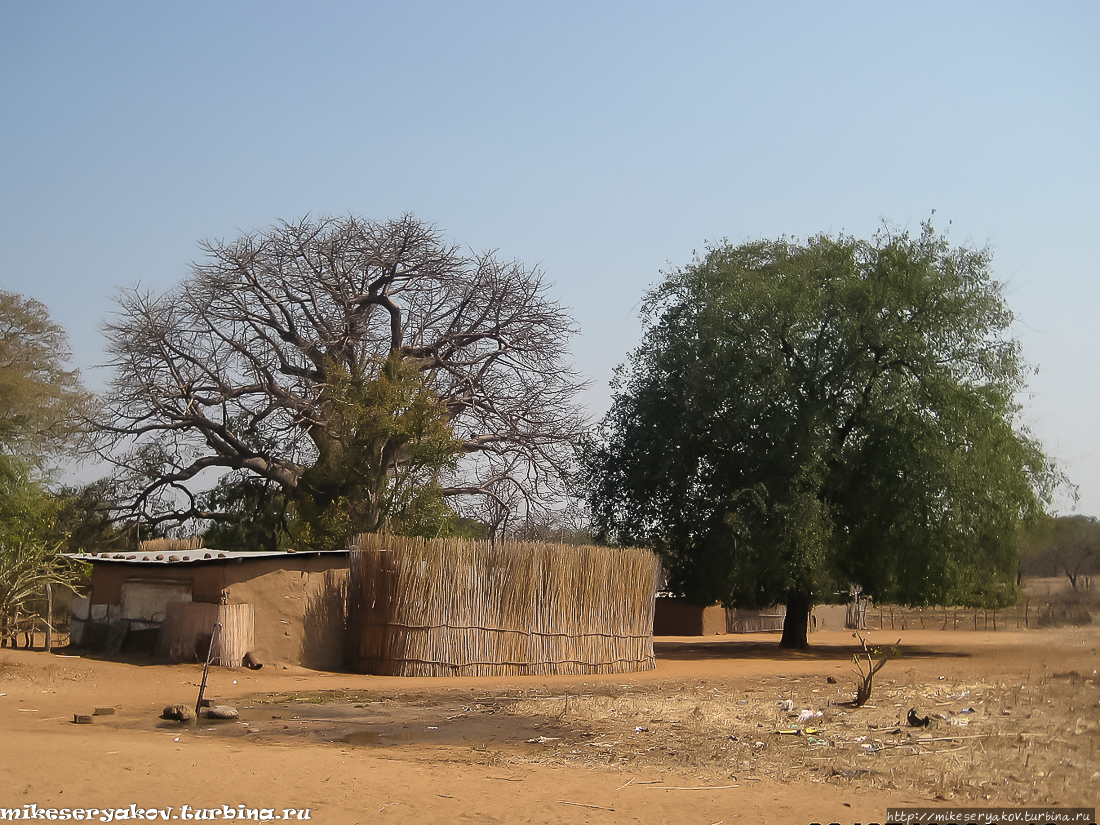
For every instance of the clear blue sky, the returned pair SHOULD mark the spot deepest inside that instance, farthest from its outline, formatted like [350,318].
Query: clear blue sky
[601,141]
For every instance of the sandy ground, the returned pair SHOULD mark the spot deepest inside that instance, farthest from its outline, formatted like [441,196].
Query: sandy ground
[1015,721]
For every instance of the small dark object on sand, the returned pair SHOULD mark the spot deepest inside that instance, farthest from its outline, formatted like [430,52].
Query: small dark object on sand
[251,661]
[918,721]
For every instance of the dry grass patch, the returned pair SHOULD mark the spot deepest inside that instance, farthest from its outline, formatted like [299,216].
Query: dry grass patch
[1034,742]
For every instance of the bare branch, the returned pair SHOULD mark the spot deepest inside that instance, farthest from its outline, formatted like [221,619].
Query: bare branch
[232,370]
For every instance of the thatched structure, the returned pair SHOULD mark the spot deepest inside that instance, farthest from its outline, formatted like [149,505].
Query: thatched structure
[457,608]
[189,631]
[167,545]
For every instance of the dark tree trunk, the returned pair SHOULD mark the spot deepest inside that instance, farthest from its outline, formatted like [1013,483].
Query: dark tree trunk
[797,621]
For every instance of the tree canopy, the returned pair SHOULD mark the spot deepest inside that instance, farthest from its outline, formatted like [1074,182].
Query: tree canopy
[42,404]
[802,416]
[367,370]
[42,410]
[1063,545]
[31,539]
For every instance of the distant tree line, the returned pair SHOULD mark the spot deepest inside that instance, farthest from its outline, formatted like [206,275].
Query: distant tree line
[1063,546]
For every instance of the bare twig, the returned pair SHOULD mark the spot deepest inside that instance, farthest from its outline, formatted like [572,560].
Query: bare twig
[699,788]
[863,691]
[583,805]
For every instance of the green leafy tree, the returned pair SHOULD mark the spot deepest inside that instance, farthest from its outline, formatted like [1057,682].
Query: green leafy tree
[1064,545]
[804,416]
[31,540]
[379,462]
[42,406]
[84,518]
[377,469]
[249,513]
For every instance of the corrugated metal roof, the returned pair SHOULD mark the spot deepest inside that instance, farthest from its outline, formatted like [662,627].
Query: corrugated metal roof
[199,556]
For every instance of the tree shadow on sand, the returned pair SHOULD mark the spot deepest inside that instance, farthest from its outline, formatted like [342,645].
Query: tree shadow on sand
[770,651]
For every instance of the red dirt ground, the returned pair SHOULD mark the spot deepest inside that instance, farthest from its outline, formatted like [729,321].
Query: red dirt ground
[694,741]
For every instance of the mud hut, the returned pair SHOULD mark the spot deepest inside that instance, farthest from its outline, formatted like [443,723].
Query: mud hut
[286,607]
[678,617]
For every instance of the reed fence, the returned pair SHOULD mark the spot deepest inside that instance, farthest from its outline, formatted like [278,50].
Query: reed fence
[168,545]
[189,631]
[1028,614]
[456,608]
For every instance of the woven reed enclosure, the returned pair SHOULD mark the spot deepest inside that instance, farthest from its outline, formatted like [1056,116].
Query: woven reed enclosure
[457,608]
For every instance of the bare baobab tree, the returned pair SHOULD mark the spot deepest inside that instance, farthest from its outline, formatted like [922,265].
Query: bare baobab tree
[339,359]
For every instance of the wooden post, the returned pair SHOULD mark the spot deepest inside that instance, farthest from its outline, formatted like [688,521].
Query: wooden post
[49,618]
[206,667]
